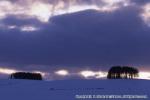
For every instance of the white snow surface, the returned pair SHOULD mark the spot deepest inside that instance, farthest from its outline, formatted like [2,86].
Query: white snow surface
[11,89]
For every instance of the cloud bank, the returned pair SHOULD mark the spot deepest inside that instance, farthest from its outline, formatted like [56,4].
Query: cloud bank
[75,33]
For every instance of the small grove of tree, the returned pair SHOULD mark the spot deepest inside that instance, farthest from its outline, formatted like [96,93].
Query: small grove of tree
[26,75]
[122,72]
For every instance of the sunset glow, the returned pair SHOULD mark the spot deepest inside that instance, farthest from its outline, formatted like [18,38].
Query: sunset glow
[7,71]
[144,75]
[62,72]
[93,74]
[87,74]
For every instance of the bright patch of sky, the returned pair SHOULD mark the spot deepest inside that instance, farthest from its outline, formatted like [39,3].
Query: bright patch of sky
[43,10]
[85,74]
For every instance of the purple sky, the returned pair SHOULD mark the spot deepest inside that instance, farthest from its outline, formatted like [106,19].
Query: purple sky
[74,34]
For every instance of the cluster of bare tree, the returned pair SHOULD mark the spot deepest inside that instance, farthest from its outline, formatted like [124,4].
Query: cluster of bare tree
[122,72]
[24,75]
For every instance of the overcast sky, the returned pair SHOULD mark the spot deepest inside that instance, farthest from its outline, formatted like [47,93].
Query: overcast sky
[52,34]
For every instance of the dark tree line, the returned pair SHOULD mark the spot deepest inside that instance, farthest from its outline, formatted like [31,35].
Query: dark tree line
[122,72]
[24,75]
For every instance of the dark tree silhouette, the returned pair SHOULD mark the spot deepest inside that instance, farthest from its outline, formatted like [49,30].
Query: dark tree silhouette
[134,73]
[24,75]
[124,72]
[115,72]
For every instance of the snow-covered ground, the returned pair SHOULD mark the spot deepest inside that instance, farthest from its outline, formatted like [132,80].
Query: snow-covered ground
[73,89]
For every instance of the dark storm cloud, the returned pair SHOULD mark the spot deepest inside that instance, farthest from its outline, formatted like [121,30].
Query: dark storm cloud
[79,39]
[13,20]
[103,38]
[140,2]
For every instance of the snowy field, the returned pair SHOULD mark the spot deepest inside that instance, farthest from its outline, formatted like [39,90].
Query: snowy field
[74,89]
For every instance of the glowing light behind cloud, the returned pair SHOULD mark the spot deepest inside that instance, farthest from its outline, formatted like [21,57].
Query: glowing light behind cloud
[5,8]
[111,5]
[146,14]
[29,28]
[87,74]
[7,71]
[42,10]
[11,27]
[114,2]
[62,72]
[25,28]
[44,74]
[93,74]
[144,75]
